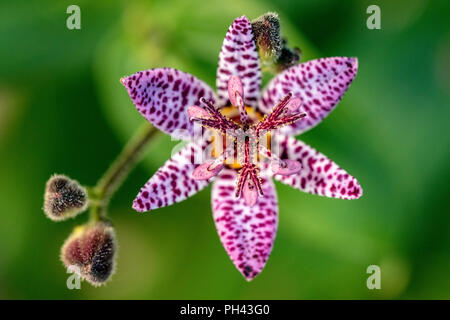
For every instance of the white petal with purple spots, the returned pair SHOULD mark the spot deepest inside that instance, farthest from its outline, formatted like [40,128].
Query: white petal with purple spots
[247,233]
[320,84]
[172,182]
[162,96]
[239,57]
[319,175]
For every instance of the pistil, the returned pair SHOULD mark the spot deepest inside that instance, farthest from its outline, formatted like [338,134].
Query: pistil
[245,140]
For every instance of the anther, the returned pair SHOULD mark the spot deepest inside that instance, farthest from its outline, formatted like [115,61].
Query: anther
[206,170]
[236,96]
[285,167]
[250,194]
[235,88]
[196,112]
[293,104]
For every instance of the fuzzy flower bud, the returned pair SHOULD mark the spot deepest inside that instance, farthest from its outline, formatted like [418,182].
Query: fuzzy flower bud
[266,30]
[64,198]
[273,51]
[288,57]
[92,249]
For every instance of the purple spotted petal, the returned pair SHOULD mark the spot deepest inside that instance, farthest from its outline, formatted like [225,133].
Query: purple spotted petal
[162,96]
[172,182]
[320,85]
[239,57]
[319,175]
[247,233]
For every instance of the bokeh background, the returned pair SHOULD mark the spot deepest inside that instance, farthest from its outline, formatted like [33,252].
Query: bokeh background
[63,109]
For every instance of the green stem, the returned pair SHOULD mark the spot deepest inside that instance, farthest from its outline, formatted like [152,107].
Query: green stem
[101,194]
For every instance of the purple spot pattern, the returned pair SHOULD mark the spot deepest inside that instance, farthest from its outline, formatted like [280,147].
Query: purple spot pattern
[247,233]
[162,96]
[319,175]
[239,57]
[172,182]
[320,84]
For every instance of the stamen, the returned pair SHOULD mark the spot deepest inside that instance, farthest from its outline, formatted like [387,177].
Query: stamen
[248,180]
[234,87]
[241,181]
[268,153]
[246,140]
[283,167]
[283,114]
[211,168]
[198,113]
[242,112]
[250,194]
[215,119]
[254,174]
[284,121]
[236,95]
[222,158]
[279,108]
[293,104]
[286,167]
[209,106]
[206,170]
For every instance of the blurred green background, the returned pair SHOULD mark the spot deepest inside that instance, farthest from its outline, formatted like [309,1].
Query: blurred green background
[63,109]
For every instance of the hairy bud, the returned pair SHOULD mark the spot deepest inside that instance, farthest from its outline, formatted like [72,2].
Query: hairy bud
[92,249]
[64,198]
[266,30]
[288,57]
[273,51]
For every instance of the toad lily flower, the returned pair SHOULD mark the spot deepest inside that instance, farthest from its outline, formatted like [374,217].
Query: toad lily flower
[240,121]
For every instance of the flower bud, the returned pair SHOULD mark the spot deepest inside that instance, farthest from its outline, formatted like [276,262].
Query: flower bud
[288,57]
[92,249]
[273,51]
[266,30]
[64,198]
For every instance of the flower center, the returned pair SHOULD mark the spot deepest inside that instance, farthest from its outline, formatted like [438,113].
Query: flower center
[232,113]
[222,141]
[242,137]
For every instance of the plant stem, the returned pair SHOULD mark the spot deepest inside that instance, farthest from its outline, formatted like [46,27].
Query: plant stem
[111,180]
